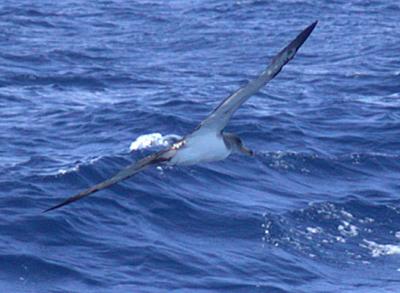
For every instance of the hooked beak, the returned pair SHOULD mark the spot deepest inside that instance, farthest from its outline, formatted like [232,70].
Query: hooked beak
[246,151]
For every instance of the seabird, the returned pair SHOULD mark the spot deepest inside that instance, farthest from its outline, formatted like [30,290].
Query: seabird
[208,142]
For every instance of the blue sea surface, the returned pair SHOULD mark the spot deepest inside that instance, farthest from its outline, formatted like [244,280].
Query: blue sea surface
[317,209]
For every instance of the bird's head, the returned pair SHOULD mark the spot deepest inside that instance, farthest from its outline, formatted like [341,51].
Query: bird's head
[235,143]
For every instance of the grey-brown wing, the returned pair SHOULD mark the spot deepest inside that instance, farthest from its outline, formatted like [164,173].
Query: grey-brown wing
[125,173]
[220,117]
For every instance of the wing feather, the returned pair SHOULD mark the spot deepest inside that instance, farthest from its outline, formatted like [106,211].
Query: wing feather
[220,117]
[125,173]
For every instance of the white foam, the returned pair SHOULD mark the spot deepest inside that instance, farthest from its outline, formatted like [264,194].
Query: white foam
[381,249]
[347,229]
[340,239]
[347,214]
[75,168]
[314,230]
[152,139]
[68,170]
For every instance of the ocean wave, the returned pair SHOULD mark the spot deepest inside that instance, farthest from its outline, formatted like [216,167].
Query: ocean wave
[89,89]
[323,229]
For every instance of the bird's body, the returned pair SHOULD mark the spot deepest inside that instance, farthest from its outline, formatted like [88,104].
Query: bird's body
[208,142]
[205,147]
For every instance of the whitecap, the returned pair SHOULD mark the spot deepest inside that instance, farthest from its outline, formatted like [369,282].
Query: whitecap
[68,170]
[151,140]
[347,229]
[77,165]
[314,230]
[381,249]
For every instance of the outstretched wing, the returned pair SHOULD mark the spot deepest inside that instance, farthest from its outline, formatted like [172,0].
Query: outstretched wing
[125,173]
[220,117]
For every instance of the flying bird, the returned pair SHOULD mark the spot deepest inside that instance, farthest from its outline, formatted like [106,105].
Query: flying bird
[208,142]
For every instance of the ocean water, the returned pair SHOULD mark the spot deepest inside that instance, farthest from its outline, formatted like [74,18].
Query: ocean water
[316,210]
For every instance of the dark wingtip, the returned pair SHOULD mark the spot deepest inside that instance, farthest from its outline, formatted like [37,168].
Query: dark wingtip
[302,37]
[71,199]
[48,210]
[54,207]
[312,26]
[290,50]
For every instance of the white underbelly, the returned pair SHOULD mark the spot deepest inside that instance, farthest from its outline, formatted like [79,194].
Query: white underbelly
[198,149]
